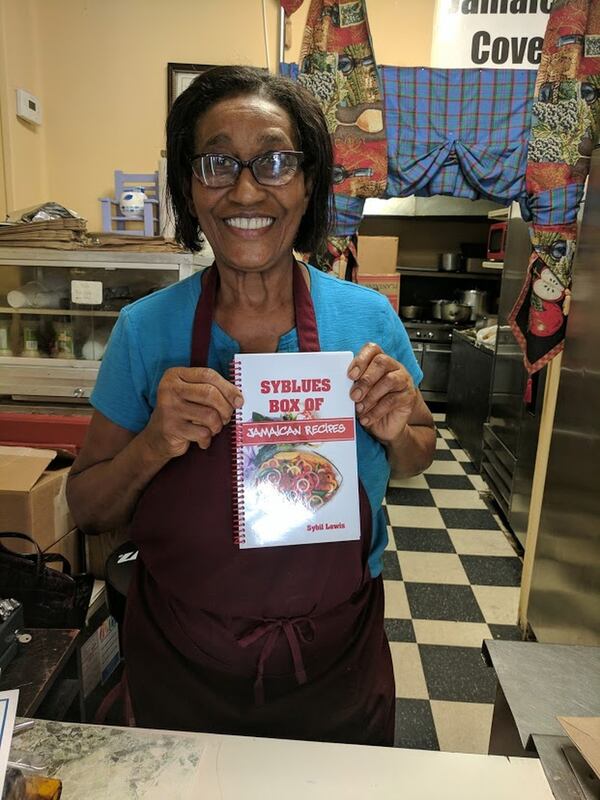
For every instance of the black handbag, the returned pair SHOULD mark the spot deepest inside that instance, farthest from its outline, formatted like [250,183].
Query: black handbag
[51,599]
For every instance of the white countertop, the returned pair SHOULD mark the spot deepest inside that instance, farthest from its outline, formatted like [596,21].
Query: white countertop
[133,764]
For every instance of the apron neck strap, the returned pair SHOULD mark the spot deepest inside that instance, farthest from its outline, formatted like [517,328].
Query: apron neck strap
[306,323]
[203,317]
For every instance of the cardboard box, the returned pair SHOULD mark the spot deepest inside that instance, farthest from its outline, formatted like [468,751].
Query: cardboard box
[100,656]
[389,285]
[377,255]
[32,496]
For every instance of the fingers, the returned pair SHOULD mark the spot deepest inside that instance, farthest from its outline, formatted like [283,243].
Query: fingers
[192,405]
[360,362]
[200,415]
[381,386]
[396,382]
[393,402]
[373,365]
[196,433]
[206,396]
[205,386]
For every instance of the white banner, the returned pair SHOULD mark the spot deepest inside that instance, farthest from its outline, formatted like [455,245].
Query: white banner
[494,34]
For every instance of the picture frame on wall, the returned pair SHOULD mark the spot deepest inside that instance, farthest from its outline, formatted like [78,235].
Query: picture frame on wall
[179,77]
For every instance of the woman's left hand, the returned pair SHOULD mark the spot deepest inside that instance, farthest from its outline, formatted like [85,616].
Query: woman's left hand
[383,391]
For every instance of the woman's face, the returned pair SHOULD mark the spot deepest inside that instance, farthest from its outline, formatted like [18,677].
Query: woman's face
[244,127]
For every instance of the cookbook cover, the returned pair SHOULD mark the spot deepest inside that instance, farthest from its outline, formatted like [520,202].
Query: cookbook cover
[295,450]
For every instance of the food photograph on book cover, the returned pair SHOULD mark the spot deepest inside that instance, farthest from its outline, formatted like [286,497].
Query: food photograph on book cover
[296,453]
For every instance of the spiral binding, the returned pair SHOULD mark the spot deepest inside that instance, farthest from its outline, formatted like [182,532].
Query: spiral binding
[237,460]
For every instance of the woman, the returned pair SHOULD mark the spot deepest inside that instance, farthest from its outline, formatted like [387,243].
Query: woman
[283,641]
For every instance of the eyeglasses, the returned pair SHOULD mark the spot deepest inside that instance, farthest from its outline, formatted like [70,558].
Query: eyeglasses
[275,168]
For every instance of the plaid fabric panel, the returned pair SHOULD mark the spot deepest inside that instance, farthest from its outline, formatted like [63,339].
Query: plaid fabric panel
[457,132]
[348,212]
[288,70]
[553,207]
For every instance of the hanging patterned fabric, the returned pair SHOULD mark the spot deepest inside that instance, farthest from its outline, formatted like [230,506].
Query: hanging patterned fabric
[289,6]
[565,127]
[337,65]
[346,215]
[457,132]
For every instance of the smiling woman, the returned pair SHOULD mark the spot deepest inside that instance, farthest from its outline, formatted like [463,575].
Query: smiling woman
[250,166]
[250,214]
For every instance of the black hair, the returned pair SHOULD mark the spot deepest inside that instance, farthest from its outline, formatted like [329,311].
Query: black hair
[314,140]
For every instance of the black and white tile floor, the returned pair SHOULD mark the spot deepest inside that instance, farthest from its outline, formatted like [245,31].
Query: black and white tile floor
[451,580]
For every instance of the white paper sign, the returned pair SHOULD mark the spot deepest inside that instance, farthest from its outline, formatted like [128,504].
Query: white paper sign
[8,710]
[88,293]
[493,34]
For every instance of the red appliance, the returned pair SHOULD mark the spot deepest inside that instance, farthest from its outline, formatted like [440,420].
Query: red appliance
[497,241]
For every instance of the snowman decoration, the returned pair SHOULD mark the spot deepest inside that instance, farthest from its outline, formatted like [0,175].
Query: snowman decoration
[546,316]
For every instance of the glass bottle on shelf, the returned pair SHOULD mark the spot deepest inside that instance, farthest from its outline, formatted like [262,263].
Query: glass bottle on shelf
[31,330]
[15,335]
[64,343]
[5,348]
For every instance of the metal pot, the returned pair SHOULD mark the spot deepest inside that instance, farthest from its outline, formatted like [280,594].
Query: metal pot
[450,262]
[436,308]
[476,299]
[411,312]
[455,312]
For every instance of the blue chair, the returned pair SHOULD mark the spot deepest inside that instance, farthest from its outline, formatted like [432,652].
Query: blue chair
[114,222]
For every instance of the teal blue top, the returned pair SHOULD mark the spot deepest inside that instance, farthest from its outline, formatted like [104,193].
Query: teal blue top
[154,334]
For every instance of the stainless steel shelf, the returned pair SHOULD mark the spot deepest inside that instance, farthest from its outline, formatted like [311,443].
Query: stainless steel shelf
[406,272]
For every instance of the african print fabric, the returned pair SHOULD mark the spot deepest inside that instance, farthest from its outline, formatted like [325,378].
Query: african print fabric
[337,65]
[565,128]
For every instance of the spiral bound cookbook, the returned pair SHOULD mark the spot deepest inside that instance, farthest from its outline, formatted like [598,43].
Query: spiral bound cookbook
[296,478]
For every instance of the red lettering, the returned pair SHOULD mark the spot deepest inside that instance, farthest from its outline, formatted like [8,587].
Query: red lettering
[293,386]
[313,403]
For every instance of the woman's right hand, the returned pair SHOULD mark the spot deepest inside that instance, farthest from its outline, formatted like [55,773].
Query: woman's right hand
[193,404]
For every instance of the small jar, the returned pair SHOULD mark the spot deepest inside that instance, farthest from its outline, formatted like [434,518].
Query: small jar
[31,330]
[64,344]
[5,348]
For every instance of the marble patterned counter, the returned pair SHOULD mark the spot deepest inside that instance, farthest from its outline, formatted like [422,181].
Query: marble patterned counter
[98,762]
[102,763]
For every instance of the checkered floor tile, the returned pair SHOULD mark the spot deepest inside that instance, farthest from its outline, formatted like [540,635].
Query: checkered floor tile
[452,576]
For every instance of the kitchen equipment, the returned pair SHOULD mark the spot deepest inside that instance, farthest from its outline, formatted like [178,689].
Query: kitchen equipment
[476,299]
[436,308]
[455,312]
[431,343]
[565,591]
[412,312]
[450,262]
[497,241]
[474,264]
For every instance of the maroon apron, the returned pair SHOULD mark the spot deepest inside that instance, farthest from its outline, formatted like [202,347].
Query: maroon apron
[285,642]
